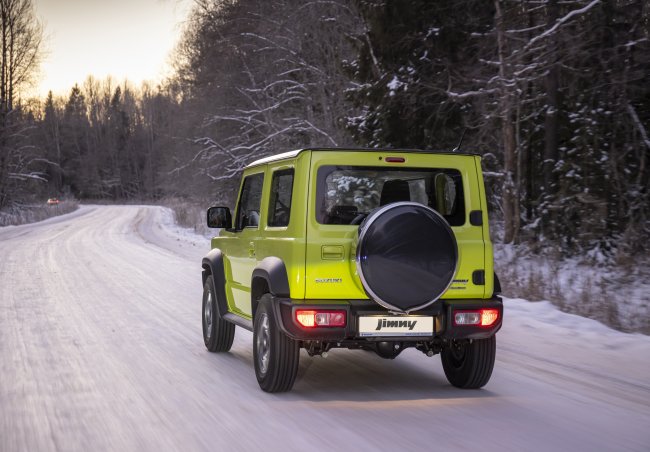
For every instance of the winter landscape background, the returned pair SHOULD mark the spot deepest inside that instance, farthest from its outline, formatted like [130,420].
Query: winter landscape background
[100,352]
[555,95]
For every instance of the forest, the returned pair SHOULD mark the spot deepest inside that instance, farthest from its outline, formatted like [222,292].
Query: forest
[555,95]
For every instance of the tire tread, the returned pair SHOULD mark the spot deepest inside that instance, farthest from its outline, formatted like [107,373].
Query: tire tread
[223,332]
[476,369]
[285,355]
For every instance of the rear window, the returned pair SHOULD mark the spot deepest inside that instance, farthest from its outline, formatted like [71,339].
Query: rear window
[346,194]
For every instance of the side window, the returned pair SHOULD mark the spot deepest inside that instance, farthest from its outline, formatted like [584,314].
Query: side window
[280,200]
[248,211]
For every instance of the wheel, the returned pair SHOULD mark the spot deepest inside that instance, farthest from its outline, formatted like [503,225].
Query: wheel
[275,355]
[469,365]
[218,334]
[410,243]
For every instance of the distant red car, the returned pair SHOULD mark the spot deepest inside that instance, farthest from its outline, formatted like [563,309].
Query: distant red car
[53,201]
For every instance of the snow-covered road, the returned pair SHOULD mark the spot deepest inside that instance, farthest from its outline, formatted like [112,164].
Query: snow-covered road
[101,349]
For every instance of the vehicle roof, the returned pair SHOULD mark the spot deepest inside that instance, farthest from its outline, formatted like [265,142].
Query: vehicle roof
[294,154]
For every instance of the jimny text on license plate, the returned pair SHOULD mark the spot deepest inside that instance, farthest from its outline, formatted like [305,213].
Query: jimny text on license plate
[408,325]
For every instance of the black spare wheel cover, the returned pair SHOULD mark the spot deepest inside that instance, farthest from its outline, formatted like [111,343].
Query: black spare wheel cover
[406,256]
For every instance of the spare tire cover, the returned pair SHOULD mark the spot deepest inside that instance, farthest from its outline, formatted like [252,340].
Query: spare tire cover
[406,256]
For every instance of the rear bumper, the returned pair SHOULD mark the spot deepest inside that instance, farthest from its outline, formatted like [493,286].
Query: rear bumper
[442,312]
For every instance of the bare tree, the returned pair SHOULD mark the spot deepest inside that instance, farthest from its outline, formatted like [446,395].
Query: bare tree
[21,35]
[508,100]
[274,69]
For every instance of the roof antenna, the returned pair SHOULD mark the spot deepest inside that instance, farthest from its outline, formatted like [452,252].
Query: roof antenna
[457,148]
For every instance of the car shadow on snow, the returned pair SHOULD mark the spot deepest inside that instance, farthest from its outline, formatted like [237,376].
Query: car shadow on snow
[359,376]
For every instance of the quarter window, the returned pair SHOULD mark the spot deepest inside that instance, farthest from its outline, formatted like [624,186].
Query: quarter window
[248,211]
[280,201]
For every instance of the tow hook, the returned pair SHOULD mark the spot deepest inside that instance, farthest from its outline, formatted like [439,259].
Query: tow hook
[316,348]
[430,348]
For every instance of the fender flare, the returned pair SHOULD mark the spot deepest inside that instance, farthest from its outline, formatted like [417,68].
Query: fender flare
[270,276]
[212,265]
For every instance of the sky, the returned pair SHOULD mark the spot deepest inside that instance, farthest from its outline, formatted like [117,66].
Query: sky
[123,38]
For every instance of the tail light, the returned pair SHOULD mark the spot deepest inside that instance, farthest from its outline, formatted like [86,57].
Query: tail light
[478,317]
[312,318]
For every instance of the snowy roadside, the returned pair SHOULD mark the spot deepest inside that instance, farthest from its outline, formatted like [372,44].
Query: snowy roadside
[34,213]
[187,233]
[542,331]
[159,226]
[618,296]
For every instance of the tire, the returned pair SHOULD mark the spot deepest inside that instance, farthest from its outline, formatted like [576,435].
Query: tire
[218,334]
[469,365]
[406,256]
[276,355]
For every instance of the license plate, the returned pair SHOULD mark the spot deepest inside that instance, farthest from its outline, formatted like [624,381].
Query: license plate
[408,325]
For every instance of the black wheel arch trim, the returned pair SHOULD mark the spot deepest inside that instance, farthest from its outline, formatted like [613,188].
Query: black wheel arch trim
[270,276]
[212,265]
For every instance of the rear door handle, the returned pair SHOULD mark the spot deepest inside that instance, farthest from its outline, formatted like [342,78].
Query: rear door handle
[251,249]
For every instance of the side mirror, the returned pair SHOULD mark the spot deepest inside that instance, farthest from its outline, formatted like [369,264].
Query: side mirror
[219,217]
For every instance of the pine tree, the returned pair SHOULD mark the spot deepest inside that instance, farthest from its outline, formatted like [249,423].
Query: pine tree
[74,137]
[52,143]
[413,54]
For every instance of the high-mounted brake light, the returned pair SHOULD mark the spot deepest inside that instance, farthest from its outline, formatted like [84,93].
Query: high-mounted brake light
[395,159]
[479,317]
[311,318]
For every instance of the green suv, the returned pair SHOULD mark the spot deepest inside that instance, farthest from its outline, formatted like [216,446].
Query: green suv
[368,249]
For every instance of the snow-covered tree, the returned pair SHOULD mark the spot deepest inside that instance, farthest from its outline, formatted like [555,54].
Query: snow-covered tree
[263,77]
